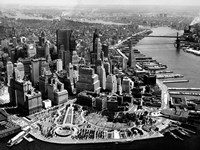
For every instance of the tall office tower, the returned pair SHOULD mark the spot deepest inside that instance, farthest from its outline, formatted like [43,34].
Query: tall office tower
[111,65]
[105,50]
[102,56]
[59,65]
[75,59]
[102,76]
[71,72]
[95,36]
[11,90]
[111,83]
[88,80]
[107,66]
[66,59]
[131,59]
[35,71]
[72,43]
[47,49]
[43,66]
[60,52]
[119,86]
[9,68]
[14,39]
[56,92]
[43,85]
[19,71]
[26,62]
[66,77]
[63,38]
[31,50]
[27,99]
[43,38]
[97,49]
[127,85]
[124,63]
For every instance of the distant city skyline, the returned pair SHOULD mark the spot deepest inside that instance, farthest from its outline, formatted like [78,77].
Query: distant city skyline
[102,2]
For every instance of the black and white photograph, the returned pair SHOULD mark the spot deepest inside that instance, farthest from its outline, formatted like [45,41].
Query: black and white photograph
[99,74]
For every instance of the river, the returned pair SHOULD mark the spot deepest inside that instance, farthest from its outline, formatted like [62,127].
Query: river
[179,62]
[163,50]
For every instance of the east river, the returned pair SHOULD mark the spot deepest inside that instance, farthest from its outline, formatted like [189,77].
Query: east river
[163,50]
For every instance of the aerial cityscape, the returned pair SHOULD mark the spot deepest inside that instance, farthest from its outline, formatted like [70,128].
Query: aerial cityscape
[103,74]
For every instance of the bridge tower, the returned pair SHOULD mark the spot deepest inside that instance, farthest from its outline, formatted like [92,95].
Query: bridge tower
[177,43]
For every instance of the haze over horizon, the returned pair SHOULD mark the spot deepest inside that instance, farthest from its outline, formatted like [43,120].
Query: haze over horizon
[102,2]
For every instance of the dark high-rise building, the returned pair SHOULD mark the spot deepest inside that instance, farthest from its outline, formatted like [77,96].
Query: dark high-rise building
[105,50]
[97,49]
[63,38]
[95,35]
[42,38]
[66,38]
[28,100]
[131,59]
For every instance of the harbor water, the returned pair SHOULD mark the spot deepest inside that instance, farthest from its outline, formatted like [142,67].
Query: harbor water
[163,50]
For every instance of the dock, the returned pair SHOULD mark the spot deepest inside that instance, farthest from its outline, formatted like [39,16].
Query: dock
[183,89]
[175,81]
[164,71]
[184,93]
[165,76]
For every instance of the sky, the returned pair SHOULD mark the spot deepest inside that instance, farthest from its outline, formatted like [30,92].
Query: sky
[102,2]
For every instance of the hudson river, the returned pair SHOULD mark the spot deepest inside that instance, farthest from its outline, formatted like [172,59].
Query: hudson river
[178,61]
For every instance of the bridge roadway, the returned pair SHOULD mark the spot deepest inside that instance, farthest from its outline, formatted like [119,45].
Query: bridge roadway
[159,36]
[114,47]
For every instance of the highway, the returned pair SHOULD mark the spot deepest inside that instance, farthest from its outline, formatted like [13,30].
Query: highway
[165,97]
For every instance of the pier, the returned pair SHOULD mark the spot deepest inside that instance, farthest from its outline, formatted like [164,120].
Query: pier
[159,72]
[175,81]
[162,76]
[183,89]
[184,93]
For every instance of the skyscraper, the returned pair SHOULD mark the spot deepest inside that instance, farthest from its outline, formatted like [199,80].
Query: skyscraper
[111,83]
[59,65]
[88,80]
[97,49]
[34,71]
[31,50]
[19,71]
[9,68]
[56,92]
[47,49]
[102,76]
[105,50]
[63,38]
[95,35]
[131,59]
[66,38]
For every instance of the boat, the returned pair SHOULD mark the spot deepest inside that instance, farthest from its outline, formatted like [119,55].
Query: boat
[19,137]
